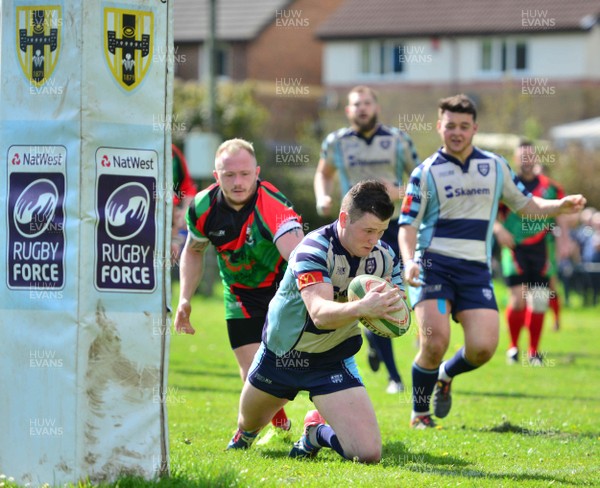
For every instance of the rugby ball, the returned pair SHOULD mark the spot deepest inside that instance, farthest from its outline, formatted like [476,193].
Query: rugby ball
[358,288]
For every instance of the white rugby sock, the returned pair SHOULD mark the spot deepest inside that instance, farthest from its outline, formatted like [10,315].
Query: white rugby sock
[442,375]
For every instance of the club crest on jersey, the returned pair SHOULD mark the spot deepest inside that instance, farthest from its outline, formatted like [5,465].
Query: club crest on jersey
[385,143]
[483,168]
[370,265]
[128,44]
[249,237]
[38,41]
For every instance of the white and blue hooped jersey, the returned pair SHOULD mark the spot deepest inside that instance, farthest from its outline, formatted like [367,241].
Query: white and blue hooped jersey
[321,258]
[454,206]
[385,156]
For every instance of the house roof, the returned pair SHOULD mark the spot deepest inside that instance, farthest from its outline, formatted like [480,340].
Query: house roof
[412,18]
[237,20]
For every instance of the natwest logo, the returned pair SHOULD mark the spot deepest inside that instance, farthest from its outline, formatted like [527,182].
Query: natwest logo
[43,158]
[123,160]
[37,158]
[133,162]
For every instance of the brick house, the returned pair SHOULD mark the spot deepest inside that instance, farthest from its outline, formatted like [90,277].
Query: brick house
[522,61]
[271,42]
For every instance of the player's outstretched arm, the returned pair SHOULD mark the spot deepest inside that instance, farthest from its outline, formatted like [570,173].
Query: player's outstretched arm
[328,314]
[407,241]
[540,207]
[323,185]
[190,274]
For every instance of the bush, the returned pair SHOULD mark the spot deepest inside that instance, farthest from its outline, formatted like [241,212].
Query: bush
[238,114]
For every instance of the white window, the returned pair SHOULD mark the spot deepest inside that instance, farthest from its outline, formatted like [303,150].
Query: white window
[223,55]
[382,57]
[222,60]
[503,55]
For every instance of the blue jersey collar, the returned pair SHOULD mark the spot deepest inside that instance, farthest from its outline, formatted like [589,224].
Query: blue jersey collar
[368,140]
[464,166]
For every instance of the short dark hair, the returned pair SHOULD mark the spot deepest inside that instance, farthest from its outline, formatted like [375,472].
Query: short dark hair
[525,143]
[461,104]
[368,196]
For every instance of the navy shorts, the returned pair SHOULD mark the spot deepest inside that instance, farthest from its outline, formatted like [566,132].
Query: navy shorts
[284,375]
[465,284]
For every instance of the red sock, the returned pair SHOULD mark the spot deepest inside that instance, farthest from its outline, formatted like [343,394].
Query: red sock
[280,419]
[516,320]
[534,321]
[555,305]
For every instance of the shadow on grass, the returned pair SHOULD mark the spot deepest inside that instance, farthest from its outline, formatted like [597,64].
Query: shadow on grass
[395,455]
[503,394]
[205,389]
[204,372]
[514,477]
[222,480]
[570,357]
[536,430]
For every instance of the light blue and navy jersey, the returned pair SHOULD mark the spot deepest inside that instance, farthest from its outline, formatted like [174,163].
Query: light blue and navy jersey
[454,205]
[384,156]
[321,258]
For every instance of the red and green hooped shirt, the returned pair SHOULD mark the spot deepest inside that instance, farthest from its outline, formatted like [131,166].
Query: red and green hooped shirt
[249,262]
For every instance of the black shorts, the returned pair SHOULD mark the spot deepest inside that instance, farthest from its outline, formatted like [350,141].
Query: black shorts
[245,331]
[526,265]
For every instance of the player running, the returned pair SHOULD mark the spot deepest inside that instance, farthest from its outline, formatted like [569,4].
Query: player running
[445,237]
[526,258]
[254,229]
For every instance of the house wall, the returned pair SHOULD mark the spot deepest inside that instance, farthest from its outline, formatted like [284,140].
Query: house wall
[593,52]
[286,61]
[188,59]
[288,47]
[557,56]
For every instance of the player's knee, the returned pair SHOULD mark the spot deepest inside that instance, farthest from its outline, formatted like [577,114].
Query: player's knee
[484,355]
[434,350]
[368,456]
[480,354]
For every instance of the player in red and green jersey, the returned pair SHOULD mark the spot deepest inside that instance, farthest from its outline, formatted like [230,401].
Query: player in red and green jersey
[254,229]
[184,190]
[526,260]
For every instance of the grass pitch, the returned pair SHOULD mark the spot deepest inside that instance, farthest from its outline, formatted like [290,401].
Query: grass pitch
[509,425]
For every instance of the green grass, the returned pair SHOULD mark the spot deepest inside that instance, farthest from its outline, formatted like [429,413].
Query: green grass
[509,425]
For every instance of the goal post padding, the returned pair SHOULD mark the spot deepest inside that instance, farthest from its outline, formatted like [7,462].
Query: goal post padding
[87,184]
